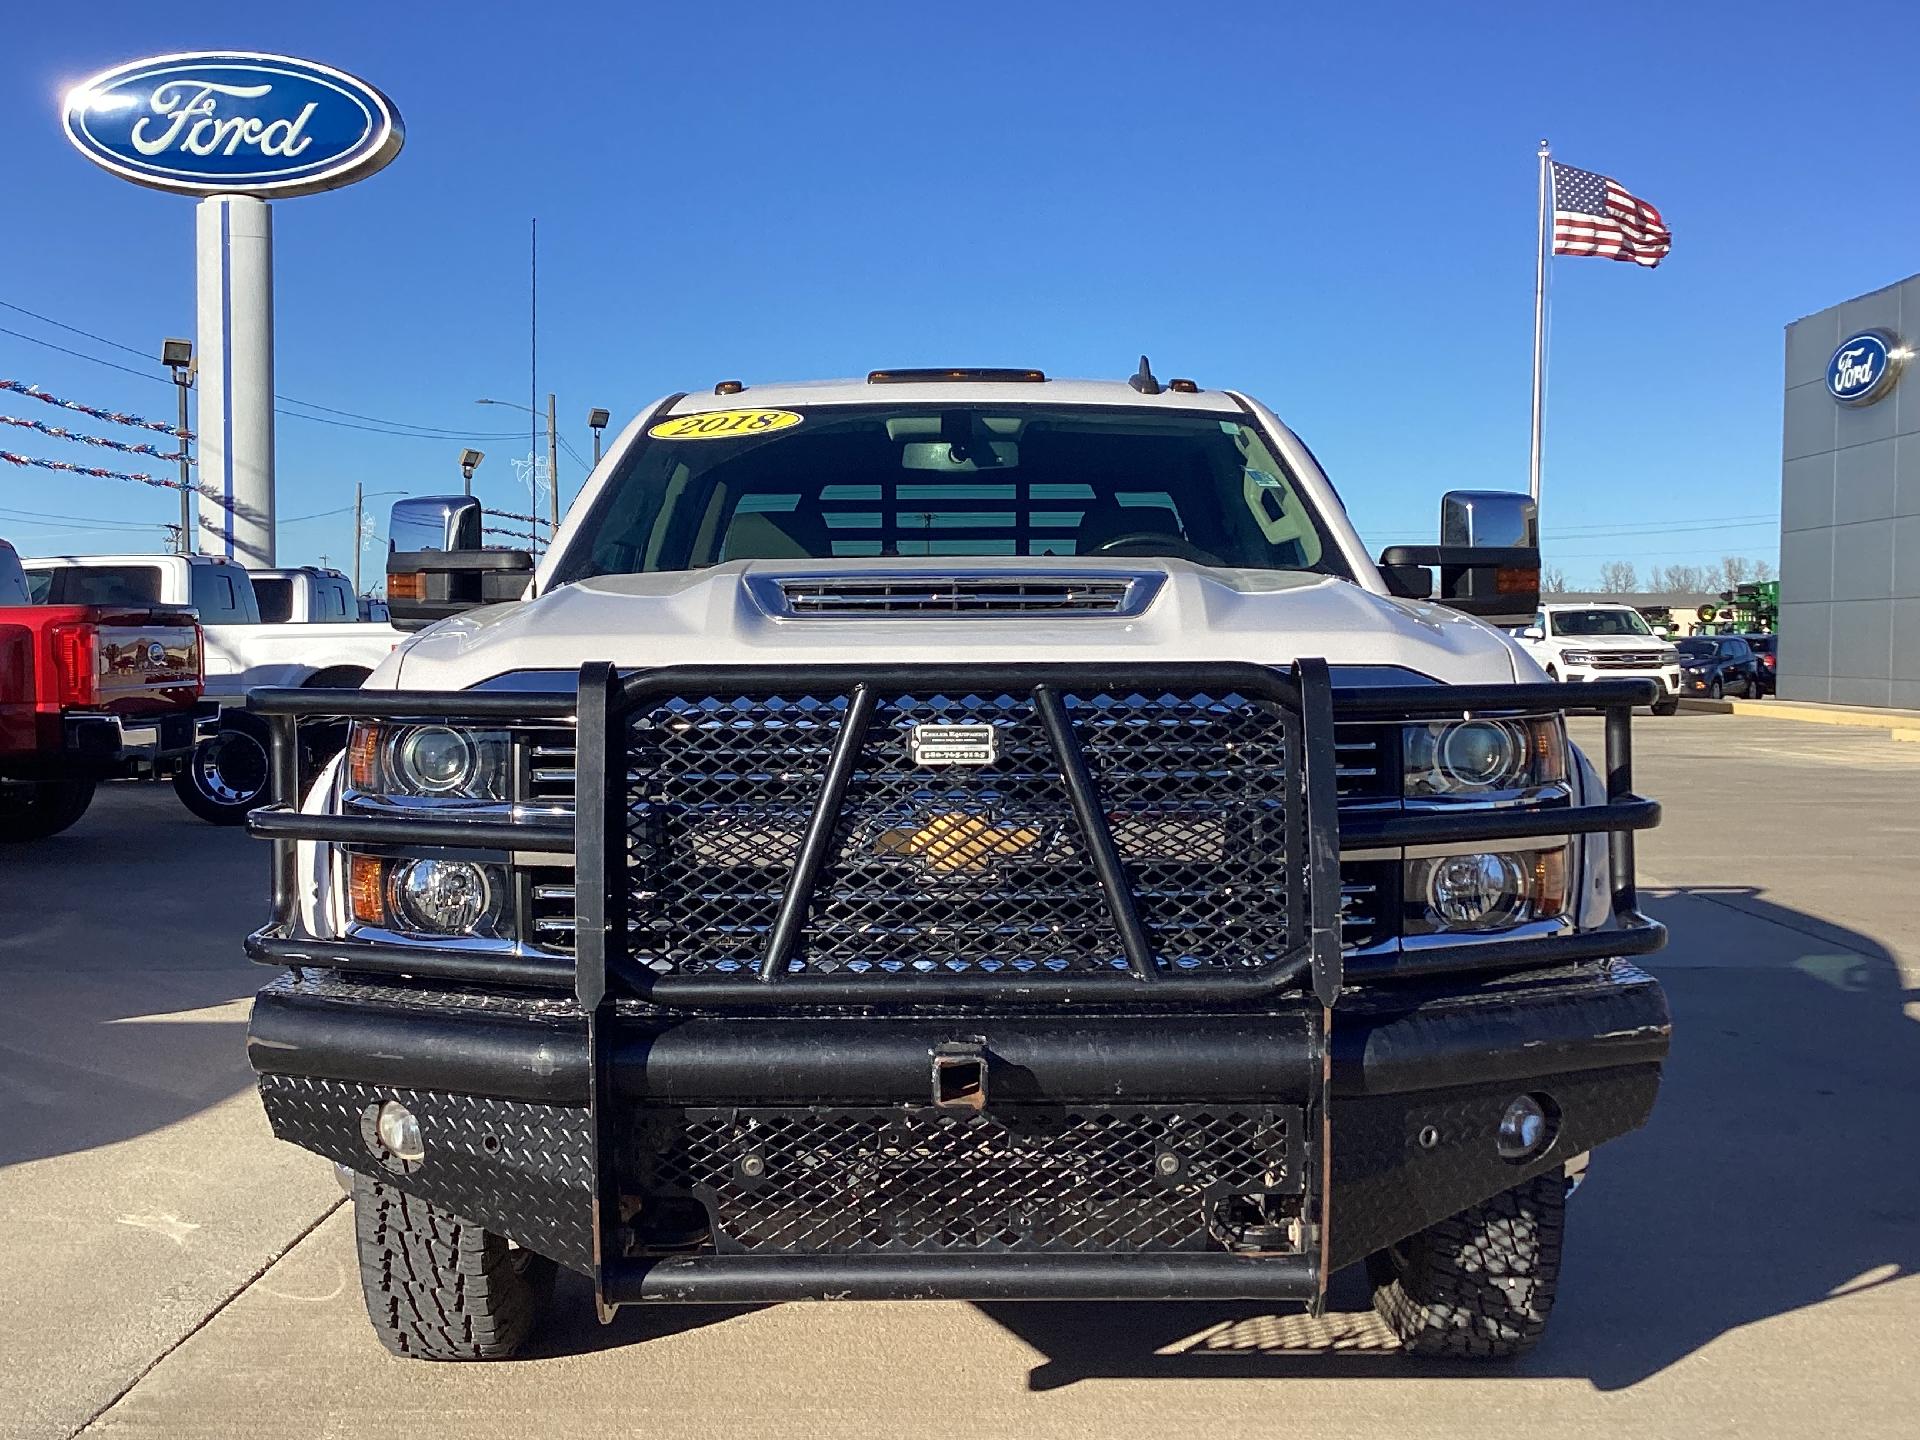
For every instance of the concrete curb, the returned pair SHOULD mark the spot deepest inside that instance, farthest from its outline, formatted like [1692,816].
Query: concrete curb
[1899,725]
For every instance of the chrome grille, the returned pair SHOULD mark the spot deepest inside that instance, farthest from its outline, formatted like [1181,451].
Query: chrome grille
[1628,660]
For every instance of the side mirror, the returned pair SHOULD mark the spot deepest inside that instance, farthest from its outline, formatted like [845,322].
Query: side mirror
[1488,555]
[434,522]
[428,585]
[1533,632]
[436,566]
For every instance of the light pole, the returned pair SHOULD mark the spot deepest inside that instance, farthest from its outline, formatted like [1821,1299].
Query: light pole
[470,462]
[597,421]
[177,356]
[553,458]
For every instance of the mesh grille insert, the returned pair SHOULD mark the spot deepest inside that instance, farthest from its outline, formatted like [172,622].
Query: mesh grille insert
[963,869]
[916,1178]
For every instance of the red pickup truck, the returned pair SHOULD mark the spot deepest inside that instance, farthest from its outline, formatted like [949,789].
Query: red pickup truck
[87,692]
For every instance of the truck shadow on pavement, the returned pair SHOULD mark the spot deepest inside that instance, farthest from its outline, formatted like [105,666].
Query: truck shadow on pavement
[1779,1171]
[125,987]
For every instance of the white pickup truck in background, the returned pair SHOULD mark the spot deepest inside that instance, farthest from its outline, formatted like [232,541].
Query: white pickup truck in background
[309,635]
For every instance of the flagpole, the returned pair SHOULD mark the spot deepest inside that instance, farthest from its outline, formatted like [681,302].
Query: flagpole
[1539,330]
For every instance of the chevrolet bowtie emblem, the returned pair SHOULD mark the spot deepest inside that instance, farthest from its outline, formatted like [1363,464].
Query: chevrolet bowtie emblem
[959,842]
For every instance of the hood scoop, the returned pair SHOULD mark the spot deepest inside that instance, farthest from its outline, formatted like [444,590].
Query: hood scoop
[856,594]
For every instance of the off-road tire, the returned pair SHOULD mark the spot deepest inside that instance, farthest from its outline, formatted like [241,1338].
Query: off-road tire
[33,810]
[1478,1286]
[1667,707]
[439,1287]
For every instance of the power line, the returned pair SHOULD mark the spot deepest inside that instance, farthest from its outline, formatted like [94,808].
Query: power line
[82,355]
[74,329]
[403,428]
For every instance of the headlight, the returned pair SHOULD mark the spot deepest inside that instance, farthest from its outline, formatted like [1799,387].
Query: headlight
[427,897]
[1475,758]
[1485,891]
[439,762]
[1578,657]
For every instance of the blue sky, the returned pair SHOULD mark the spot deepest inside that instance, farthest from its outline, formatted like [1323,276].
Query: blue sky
[1330,208]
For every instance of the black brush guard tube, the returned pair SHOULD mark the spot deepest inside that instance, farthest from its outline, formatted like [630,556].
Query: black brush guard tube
[633,1039]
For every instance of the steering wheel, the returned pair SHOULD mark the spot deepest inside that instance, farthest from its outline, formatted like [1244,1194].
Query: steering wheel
[1155,542]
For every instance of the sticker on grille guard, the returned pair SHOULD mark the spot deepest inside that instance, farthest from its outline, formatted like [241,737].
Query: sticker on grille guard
[955,745]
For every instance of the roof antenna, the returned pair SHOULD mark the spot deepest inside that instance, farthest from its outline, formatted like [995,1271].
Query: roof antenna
[1143,381]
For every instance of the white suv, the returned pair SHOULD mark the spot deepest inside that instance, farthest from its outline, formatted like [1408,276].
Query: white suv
[1594,642]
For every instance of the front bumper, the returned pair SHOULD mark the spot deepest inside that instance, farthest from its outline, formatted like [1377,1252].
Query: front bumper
[753,1159]
[1670,679]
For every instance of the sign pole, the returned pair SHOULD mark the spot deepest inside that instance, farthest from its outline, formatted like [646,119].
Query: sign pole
[1539,330]
[234,257]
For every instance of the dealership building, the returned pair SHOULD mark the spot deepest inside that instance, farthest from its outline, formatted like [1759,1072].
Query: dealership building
[1850,504]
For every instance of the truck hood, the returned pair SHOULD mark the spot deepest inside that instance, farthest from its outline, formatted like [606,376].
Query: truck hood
[719,616]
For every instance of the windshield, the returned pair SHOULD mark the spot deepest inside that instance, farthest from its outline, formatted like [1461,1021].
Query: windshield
[905,480]
[1608,621]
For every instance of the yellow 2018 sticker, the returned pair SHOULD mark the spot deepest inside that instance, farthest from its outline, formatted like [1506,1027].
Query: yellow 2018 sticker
[724,424]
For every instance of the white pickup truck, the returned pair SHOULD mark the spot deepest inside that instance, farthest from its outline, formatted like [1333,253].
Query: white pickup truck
[313,643]
[959,834]
[1580,642]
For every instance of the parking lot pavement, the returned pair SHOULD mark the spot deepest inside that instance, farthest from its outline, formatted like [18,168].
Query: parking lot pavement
[1745,1266]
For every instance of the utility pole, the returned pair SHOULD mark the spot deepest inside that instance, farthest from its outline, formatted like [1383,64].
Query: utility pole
[177,356]
[553,467]
[359,536]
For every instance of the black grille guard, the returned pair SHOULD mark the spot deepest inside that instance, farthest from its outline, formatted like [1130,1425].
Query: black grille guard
[1301,697]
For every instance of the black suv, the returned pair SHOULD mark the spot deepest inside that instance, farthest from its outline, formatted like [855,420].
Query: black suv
[1719,665]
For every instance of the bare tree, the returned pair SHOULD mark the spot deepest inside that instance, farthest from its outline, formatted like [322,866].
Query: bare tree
[1762,572]
[1676,580]
[1735,570]
[1618,577]
[1553,581]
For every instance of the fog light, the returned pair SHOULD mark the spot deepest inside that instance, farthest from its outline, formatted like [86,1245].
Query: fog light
[1470,891]
[1524,1131]
[400,1132]
[442,897]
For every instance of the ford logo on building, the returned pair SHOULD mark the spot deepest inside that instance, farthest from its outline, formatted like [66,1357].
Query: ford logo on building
[233,123]
[1864,367]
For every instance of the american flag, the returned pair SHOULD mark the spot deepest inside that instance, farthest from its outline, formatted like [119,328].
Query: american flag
[1593,215]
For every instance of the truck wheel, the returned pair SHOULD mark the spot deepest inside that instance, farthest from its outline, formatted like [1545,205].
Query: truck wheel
[1553,674]
[1480,1285]
[227,776]
[33,811]
[439,1287]
[1667,707]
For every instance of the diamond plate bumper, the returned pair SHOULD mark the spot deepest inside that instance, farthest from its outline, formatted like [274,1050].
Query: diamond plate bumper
[565,1140]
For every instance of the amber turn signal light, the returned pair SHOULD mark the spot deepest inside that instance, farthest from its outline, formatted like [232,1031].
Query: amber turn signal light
[366,889]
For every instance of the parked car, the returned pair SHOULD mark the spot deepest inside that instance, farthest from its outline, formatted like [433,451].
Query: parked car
[1714,666]
[327,649]
[88,692]
[1766,649]
[1575,643]
[959,835]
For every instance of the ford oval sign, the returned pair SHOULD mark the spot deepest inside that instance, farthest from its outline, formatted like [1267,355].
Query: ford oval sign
[233,123]
[1864,367]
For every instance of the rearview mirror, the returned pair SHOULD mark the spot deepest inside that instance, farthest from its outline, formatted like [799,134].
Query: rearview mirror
[1488,556]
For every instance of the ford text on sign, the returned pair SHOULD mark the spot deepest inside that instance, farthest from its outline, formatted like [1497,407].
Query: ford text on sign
[233,123]
[1863,368]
